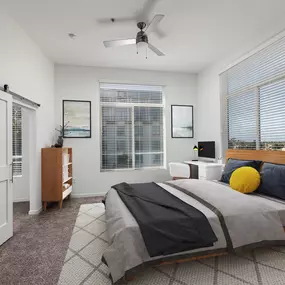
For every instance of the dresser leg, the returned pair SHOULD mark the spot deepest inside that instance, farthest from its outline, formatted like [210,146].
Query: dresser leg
[60,204]
[45,206]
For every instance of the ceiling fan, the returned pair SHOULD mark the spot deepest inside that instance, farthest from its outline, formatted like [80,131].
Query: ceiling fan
[141,39]
[141,15]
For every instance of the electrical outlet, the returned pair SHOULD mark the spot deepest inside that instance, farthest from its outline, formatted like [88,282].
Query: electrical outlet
[74,180]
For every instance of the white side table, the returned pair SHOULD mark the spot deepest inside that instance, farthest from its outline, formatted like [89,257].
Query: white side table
[179,170]
[205,170]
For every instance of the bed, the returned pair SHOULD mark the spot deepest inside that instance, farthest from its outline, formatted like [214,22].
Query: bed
[232,216]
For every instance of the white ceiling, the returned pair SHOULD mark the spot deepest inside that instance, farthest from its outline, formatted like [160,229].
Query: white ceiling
[198,31]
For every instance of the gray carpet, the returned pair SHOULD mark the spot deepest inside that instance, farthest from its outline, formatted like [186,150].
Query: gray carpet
[83,264]
[36,252]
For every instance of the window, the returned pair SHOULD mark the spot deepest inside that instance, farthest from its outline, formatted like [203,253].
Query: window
[139,131]
[17,140]
[139,160]
[115,152]
[272,115]
[132,118]
[120,131]
[156,130]
[253,101]
[121,146]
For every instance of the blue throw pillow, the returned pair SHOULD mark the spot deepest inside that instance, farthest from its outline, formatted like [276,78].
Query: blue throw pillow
[272,180]
[234,164]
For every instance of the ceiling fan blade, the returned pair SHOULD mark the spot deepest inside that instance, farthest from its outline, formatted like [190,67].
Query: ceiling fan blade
[153,25]
[117,43]
[148,6]
[106,21]
[160,33]
[155,50]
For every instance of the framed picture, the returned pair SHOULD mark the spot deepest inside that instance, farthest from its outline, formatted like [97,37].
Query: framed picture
[76,119]
[182,122]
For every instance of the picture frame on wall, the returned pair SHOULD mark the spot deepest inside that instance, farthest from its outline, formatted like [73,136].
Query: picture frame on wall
[76,116]
[182,121]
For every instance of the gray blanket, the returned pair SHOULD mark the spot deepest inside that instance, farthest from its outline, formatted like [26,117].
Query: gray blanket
[167,224]
[249,223]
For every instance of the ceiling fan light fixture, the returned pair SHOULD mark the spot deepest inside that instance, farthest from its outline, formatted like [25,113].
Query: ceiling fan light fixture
[142,48]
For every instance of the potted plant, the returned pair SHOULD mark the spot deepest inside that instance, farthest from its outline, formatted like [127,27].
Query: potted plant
[59,142]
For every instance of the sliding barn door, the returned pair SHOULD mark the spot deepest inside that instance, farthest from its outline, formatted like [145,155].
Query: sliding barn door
[6,199]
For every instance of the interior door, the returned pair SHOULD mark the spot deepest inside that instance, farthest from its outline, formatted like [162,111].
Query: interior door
[6,198]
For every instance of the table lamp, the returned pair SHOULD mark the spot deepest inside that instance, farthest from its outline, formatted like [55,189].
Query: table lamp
[195,149]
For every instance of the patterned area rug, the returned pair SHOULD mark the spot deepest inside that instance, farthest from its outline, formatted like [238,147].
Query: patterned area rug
[89,240]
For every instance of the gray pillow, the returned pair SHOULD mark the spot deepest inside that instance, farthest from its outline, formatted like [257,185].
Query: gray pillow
[272,180]
[234,164]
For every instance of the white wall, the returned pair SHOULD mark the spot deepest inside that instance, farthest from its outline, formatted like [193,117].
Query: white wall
[30,74]
[208,101]
[82,83]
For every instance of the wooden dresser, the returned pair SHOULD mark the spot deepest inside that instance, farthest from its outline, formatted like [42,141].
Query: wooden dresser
[56,175]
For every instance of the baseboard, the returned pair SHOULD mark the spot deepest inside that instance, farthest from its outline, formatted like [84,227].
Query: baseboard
[87,195]
[35,212]
[21,200]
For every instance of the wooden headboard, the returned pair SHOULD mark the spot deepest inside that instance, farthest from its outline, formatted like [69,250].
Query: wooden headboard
[277,157]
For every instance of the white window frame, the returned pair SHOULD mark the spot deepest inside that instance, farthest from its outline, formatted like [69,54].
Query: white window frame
[132,106]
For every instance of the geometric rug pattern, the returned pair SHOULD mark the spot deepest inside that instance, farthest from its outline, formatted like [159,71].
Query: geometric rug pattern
[89,240]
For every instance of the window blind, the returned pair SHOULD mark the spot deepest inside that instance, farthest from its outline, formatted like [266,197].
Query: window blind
[132,122]
[116,149]
[253,101]
[272,116]
[17,140]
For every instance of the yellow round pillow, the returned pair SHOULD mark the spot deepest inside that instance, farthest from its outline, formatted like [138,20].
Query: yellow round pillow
[245,179]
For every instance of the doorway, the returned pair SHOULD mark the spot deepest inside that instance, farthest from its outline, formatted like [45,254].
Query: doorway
[23,151]
[20,134]
[12,154]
